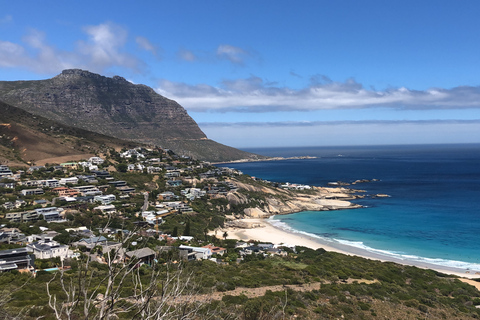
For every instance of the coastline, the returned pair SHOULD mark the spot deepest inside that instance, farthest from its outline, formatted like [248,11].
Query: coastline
[262,230]
[265,159]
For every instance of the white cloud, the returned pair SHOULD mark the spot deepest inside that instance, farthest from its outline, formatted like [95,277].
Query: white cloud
[145,44]
[255,95]
[233,54]
[104,48]
[186,55]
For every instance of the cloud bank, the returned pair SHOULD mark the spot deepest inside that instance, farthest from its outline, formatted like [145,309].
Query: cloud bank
[255,95]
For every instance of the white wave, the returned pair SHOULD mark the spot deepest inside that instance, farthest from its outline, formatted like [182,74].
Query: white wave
[408,257]
[386,253]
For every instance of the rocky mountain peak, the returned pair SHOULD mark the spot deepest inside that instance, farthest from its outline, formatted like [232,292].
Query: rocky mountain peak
[115,107]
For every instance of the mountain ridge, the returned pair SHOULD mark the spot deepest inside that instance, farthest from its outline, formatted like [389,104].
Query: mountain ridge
[118,108]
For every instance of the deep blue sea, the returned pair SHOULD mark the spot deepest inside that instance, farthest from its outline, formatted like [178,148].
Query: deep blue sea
[433,214]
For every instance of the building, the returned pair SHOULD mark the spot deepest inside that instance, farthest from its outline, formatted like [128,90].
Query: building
[32,192]
[89,190]
[199,253]
[144,255]
[215,249]
[46,249]
[106,209]
[5,172]
[70,165]
[15,259]
[91,242]
[66,192]
[106,199]
[96,160]
[49,214]
[71,180]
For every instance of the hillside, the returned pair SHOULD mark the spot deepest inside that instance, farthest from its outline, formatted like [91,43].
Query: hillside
[117,108]
[25,137]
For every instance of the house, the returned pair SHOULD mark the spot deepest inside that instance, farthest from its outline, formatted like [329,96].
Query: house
[152,218]
[69,165]
[35,168]
[106,209]
[65,192]
[118,183]
[96,160]
[20,203]
[50,183]
[88,190]
[9,205]
[40,202]
[71,180]
[31,192]
[167,196]
[174,183]
[7,185]
[101,174]
[11,235]
[215,249]
[49,214]
[15,259]
[47,249]
[144,255]
[200,253]
[91,242]
[25,216]
[126,189]
[5,172]
[106,199]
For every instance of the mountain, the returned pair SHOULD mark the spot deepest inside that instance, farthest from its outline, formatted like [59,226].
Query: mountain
[25,137]
[118,108]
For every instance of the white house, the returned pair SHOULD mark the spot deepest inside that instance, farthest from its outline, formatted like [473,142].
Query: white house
[72,180]
[200,253]
[46,249]
[96,160]
[106,199]
[109,208]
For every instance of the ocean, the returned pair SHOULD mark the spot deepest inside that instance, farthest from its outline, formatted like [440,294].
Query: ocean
[432,214]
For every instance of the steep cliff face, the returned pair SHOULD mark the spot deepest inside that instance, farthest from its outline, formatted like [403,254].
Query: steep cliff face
[117,108]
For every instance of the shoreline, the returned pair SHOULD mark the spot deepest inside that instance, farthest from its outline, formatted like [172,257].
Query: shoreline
[262,230]
[265,159]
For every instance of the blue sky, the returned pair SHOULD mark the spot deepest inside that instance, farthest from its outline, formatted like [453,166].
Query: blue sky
[271,73]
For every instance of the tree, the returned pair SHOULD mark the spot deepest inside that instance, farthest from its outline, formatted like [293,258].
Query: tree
[186,231]
[122,167]
[225,235]
[158,292]
[175,232]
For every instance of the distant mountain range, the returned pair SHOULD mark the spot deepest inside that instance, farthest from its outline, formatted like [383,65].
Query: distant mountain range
[117,108]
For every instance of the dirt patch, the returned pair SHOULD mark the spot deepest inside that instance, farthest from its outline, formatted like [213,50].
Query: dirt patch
[259,292]
[63,159]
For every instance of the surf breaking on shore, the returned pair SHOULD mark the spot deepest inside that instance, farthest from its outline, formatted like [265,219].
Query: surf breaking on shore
[279,233]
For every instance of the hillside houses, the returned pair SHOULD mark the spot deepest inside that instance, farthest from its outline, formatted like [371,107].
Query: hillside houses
[157,189]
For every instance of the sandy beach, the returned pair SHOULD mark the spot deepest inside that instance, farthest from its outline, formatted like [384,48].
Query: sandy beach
[261,230]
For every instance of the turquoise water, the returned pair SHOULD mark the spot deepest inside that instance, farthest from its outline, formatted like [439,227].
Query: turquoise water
[432,215]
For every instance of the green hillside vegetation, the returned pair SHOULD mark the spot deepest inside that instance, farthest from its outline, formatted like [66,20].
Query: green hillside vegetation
[349,287]
[301,284]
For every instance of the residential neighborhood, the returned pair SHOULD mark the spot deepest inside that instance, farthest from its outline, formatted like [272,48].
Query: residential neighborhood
[137,203]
